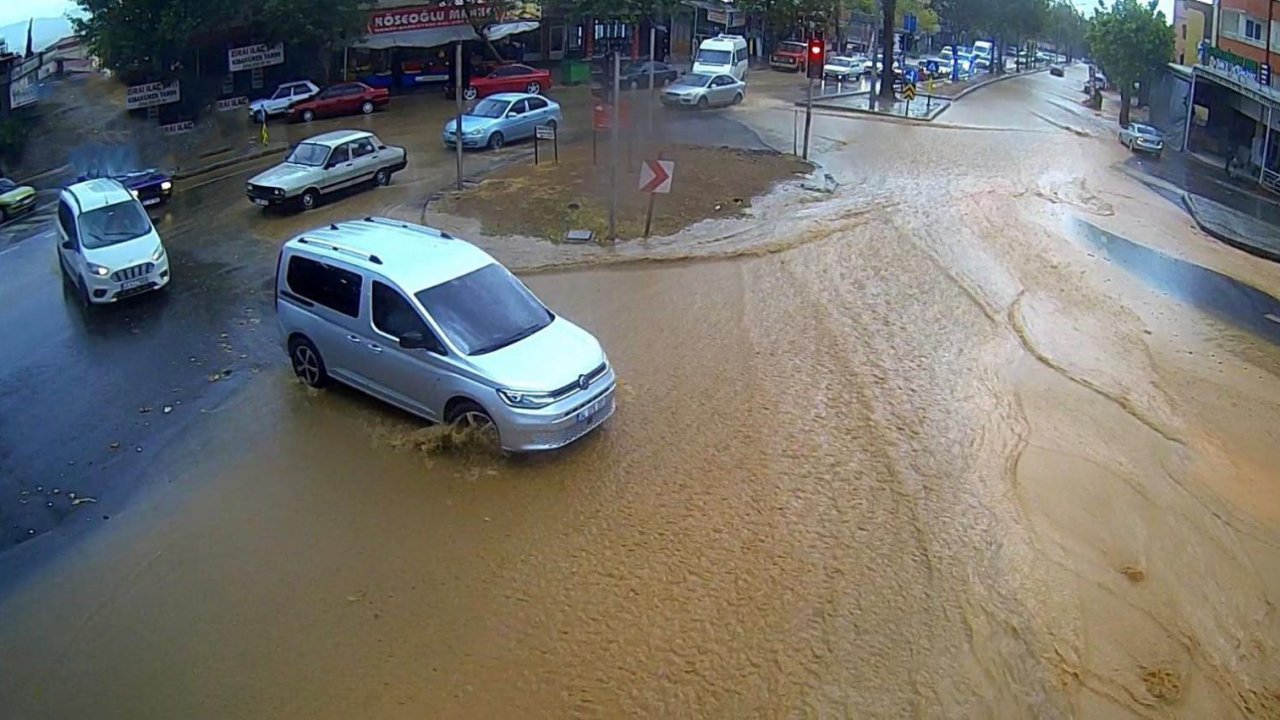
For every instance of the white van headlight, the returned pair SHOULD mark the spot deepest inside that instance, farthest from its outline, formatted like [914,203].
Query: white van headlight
[99,270]
[158,254]
[517,398]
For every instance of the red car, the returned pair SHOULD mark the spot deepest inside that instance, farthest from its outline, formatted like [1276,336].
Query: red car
[789,56]
[509,78]
[341,99]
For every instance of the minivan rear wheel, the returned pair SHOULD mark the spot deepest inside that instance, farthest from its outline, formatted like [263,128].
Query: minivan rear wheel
[307,363]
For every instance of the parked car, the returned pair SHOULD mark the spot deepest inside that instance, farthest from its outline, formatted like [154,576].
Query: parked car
[341,99]
[844,68]
[285,97]
[433,325]
[789,56]
[15,199]
[509,78]
[150,186]
[1055,70]
[324,164]
[1142,138]
[107,247]
[636,75]
[703,91]
[499,119]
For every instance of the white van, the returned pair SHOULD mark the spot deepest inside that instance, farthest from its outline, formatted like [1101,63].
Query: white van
[722,55]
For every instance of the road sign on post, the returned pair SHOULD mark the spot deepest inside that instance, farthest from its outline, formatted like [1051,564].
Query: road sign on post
[546,132]
[655,177]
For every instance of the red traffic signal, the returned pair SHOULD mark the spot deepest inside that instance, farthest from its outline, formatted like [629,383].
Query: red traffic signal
[816,58]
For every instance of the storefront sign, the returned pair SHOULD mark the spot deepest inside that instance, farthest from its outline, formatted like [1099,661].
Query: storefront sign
[255,56]
[178,128]
[23,88]
[232,103]
[1241,69]
[153,94]
[422,17]
[728,18]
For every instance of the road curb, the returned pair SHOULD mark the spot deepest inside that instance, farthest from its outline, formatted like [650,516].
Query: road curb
[219,165]
[994,80]
[1236,241]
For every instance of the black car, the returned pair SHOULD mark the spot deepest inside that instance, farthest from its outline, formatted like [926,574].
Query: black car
[636,75]
[150,186]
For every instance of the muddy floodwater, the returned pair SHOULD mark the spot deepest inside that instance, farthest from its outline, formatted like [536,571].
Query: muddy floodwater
[918,447]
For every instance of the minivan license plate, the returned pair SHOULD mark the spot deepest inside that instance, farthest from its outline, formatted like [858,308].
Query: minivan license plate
[131,284]
[587,412]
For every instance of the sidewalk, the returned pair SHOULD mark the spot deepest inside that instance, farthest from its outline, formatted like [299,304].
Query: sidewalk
[1245,218]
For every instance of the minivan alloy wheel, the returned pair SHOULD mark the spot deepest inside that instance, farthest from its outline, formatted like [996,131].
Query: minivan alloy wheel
[307,364]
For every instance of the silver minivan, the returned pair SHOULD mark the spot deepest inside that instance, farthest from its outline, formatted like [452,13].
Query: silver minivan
[433,325]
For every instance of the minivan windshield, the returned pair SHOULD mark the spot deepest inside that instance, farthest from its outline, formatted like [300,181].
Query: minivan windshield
[112,224]
[485,310]
[715,57]
[312,154]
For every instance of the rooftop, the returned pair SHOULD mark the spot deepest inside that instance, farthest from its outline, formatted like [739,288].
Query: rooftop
[337,137]
[413,256]
[98,192]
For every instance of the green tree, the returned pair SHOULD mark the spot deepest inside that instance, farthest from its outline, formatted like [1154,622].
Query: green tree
[154,36]
[1066,27]
[1129,40]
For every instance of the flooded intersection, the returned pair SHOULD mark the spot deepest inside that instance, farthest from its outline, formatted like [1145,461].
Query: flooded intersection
[913,449]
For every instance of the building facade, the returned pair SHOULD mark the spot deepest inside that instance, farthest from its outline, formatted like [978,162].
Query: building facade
[1235,103]
[1192,24]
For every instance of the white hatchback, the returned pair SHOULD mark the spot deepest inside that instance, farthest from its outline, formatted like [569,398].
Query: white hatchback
[107,246]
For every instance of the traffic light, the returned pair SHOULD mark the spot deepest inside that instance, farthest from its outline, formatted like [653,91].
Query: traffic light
[815,59]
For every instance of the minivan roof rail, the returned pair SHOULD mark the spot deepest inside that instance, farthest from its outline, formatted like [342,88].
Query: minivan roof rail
[409,226]
[342,249]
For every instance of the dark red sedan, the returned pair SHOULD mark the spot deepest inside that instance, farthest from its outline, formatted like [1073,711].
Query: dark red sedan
[509,78]
[341,99]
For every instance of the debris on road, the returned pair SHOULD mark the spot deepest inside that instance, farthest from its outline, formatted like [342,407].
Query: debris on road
[166,409]
[78,501]
[144,410]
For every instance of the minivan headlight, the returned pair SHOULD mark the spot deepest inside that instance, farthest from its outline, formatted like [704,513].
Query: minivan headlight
[99,270]
[517,398]
[159,253]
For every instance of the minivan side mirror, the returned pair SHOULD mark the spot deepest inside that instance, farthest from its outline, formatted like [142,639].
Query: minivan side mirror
[416,340]
[68,244]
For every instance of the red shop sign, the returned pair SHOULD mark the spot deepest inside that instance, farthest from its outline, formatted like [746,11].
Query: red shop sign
[422,17]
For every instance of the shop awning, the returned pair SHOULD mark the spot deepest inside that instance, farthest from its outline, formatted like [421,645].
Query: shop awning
[501,30]
[424,38]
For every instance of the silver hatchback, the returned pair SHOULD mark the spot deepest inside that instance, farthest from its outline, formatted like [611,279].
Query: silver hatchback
[435,326]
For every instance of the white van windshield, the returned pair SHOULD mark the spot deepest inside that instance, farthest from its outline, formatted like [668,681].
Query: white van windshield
[715,57]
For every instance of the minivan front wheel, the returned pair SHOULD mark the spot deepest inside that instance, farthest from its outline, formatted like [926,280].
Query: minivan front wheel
[468,417]
[307,363]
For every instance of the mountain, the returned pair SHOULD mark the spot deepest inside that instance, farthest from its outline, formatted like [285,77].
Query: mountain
[46,32]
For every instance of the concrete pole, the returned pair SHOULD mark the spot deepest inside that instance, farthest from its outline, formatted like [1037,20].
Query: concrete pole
[653,49]
[1266,141]
[613,149]
[1191,111]
[457,94]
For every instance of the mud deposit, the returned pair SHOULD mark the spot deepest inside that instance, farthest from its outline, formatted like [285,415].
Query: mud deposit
[915,449]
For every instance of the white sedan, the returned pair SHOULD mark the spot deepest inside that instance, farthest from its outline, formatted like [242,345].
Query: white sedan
[844,68]
[1142,138]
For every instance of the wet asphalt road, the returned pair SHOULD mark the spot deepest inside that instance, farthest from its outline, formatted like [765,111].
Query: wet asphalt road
[120,382]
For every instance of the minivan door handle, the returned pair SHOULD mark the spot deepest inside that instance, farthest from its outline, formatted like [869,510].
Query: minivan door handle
[355,338]
[375,348]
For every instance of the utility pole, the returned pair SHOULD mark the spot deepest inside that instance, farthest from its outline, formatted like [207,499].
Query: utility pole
[653,48]
[613,149]
[808,118]
[457,94]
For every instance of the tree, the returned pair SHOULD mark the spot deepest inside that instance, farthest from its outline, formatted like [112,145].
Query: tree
[1129,40]
[154,36]
[889,11]
[1066,27]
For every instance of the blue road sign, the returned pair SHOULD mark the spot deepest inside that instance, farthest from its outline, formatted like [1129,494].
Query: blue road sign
[912,75]
[909,23]
[931,66]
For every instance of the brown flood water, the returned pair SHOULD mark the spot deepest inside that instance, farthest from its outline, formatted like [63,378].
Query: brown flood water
[900,456]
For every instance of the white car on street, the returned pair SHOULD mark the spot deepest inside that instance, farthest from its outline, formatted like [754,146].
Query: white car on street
[1142,138]
[282,99]
[107,247]
[844,68]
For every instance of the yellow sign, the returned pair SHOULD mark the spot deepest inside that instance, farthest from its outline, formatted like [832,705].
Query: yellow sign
[909,91]
[930,86]
[264,129]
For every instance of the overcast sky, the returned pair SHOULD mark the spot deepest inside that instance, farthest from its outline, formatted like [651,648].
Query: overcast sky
[12,11]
